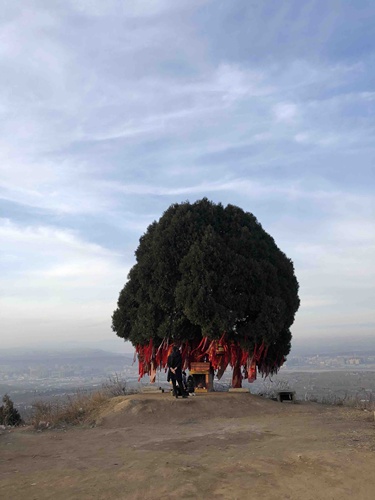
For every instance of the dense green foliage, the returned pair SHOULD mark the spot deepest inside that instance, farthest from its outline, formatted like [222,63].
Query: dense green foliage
[205,269]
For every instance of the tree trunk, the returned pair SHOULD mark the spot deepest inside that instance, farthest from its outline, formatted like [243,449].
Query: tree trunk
[237,376]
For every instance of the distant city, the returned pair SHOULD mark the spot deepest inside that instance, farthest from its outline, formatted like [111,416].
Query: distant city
[331,362]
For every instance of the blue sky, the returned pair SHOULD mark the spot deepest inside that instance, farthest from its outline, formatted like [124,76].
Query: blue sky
[111,111]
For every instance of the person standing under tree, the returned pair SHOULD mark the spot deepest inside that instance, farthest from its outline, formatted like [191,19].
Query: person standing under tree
[175,371]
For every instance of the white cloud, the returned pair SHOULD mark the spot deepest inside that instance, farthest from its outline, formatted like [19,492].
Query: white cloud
[286,112]
[317,302]
[47,239]
[101,133]
[54,281]
[57,265]
[135,9]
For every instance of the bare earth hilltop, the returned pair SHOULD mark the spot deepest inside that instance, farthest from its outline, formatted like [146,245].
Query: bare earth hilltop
[218,445]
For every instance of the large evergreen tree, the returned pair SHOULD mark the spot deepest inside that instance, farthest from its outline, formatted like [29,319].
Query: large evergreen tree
[208,271]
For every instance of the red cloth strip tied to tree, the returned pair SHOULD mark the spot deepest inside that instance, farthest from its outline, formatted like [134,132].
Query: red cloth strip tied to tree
[219,353]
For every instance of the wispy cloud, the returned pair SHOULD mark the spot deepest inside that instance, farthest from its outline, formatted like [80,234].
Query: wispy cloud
[32,255]
[99,134]
[52,276]
[286,112]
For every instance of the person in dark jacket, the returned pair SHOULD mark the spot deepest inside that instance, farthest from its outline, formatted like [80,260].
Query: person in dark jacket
[175,372]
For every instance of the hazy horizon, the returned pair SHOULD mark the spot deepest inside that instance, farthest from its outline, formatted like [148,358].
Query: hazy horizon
[119,346]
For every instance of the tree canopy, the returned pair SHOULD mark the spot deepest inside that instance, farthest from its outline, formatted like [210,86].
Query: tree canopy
[204,270]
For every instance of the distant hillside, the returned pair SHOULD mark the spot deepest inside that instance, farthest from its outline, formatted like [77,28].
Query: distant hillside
[40,363]
[333,346]
[61,355]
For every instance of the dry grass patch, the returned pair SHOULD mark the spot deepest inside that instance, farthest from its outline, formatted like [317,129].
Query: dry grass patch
[81,408]
[75,410]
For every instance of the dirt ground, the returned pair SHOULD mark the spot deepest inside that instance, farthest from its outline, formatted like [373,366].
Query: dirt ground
[219,445]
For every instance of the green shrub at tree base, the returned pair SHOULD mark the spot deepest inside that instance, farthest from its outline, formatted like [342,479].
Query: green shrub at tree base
[8,414]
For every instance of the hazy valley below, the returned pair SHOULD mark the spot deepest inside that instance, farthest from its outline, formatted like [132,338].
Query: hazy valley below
[326,374]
